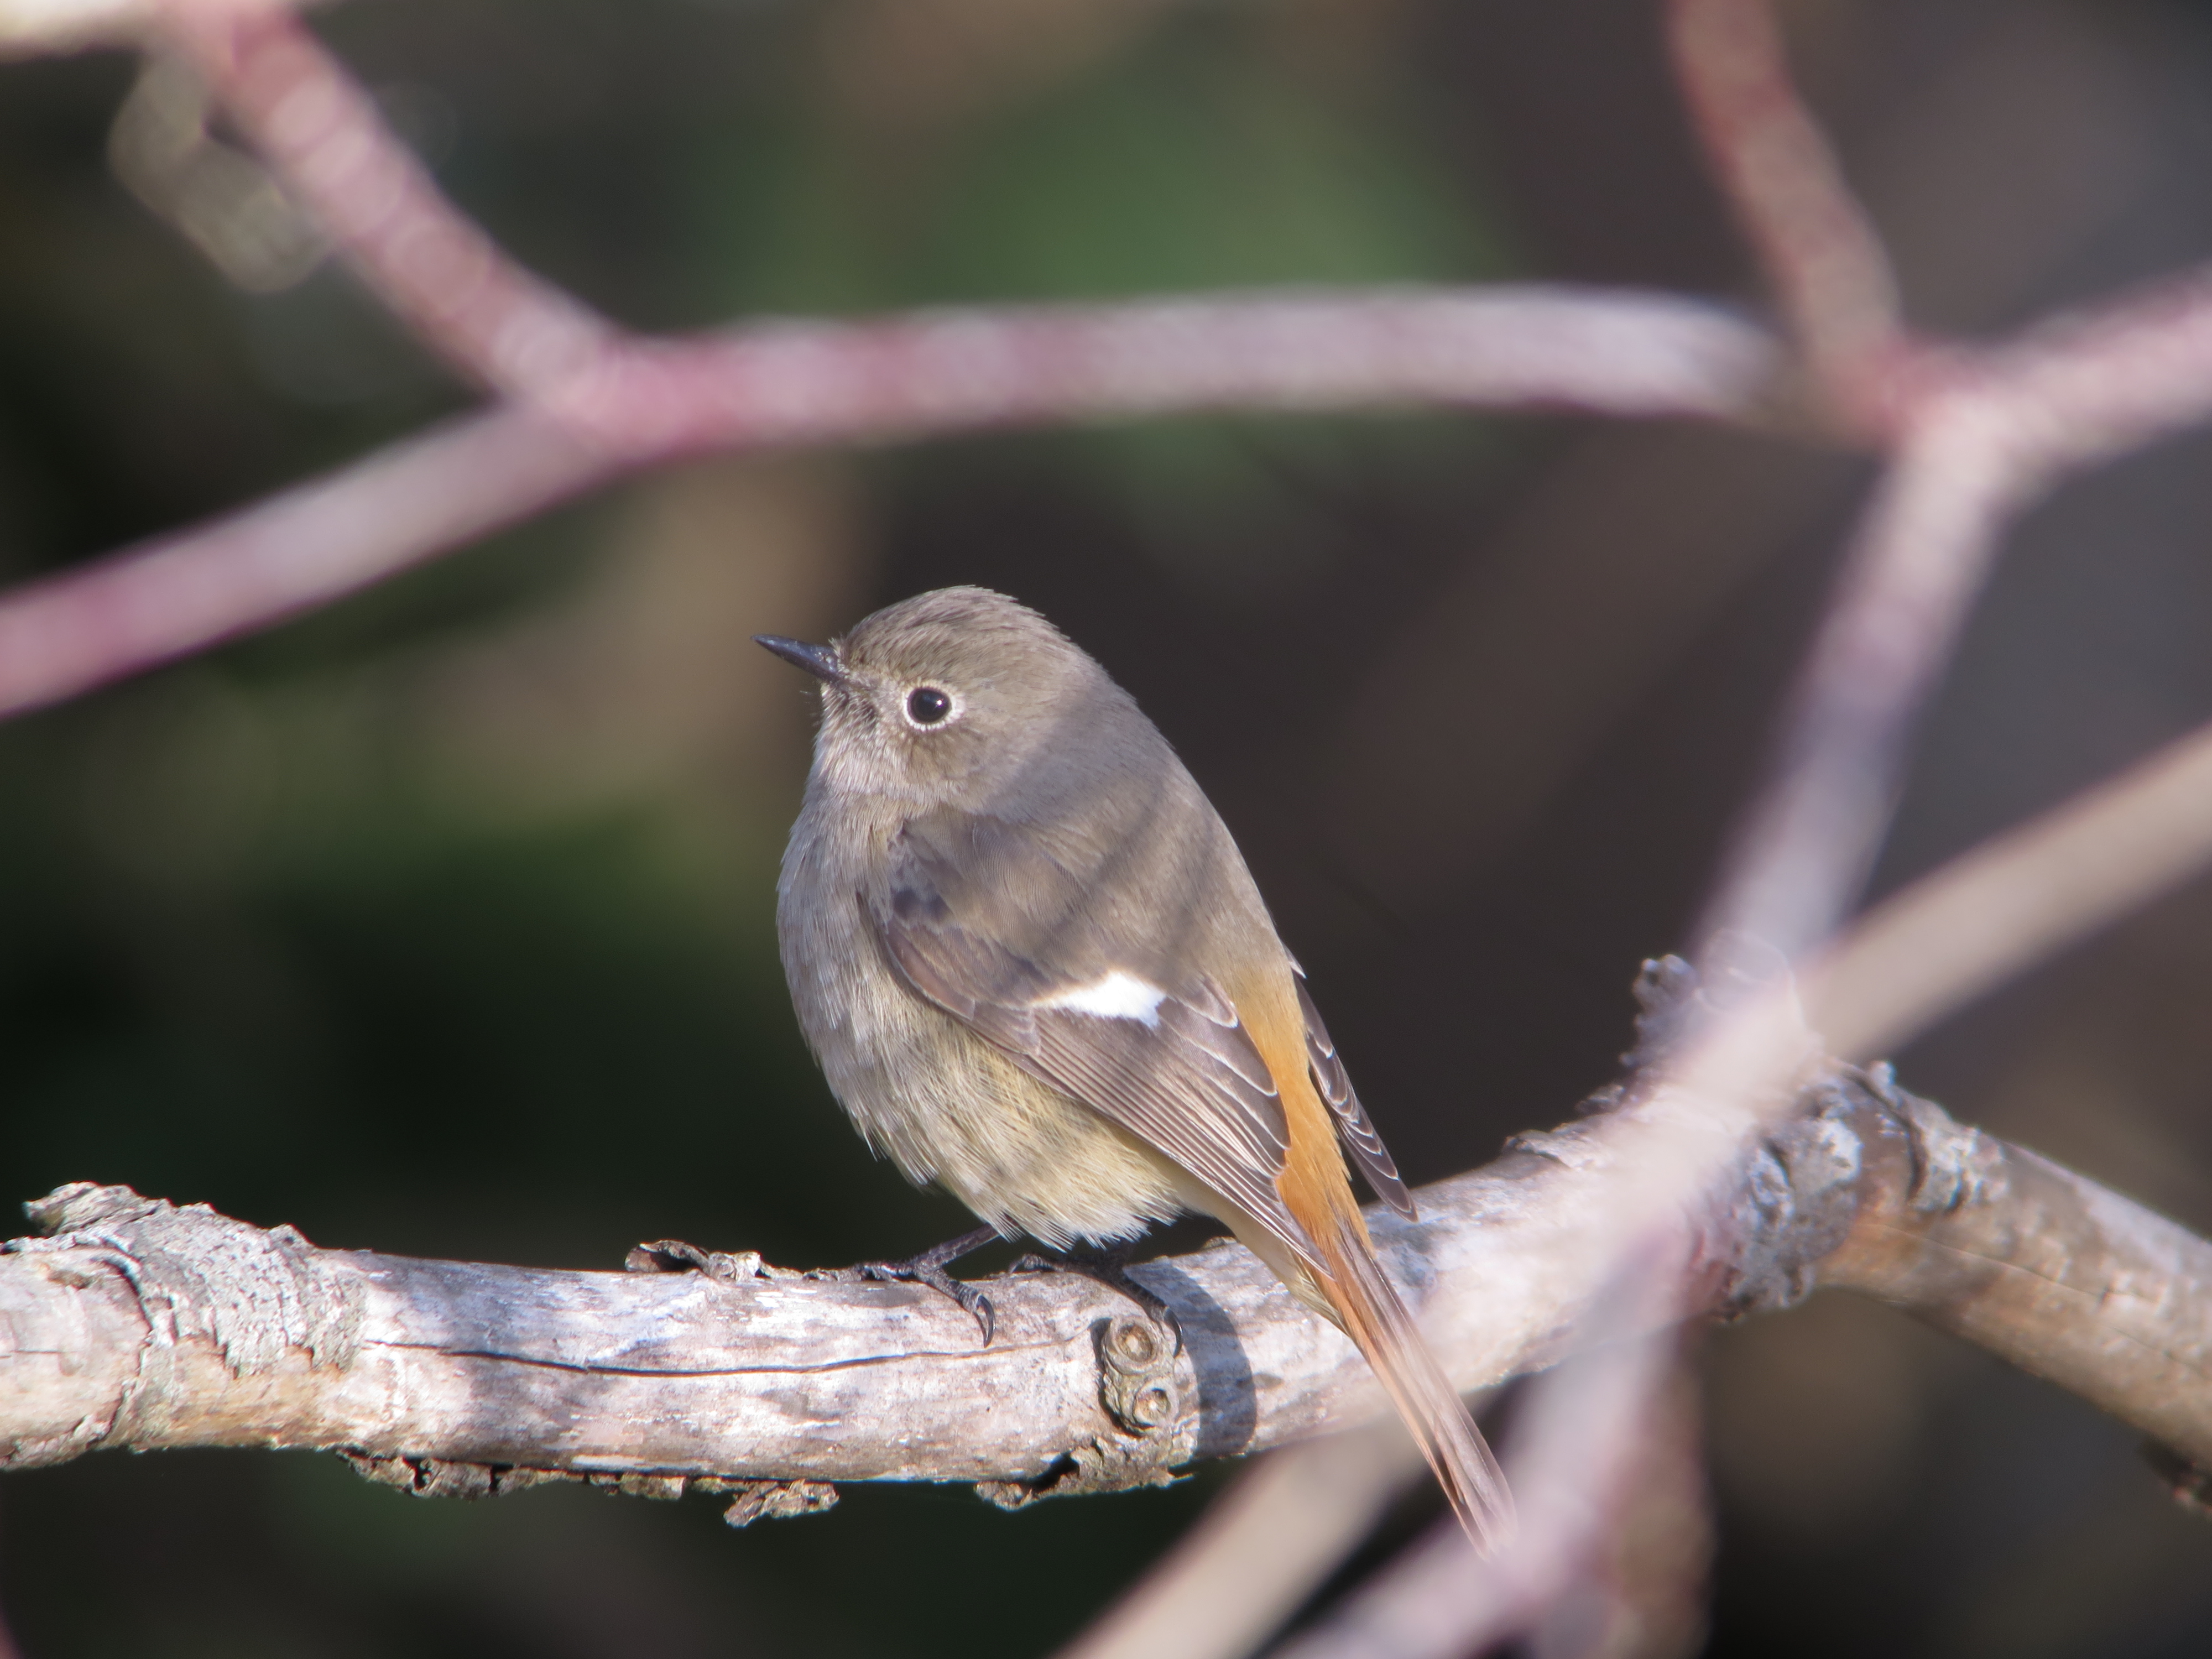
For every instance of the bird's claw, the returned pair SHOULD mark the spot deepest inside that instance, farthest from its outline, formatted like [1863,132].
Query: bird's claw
[674,1255]
[928,1268]
[1109,1268]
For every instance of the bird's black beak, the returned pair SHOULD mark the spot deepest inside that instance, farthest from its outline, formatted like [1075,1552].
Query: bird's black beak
[819,660]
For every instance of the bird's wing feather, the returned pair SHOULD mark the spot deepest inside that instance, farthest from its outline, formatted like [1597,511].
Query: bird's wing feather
[1353,1127]
[1050,986]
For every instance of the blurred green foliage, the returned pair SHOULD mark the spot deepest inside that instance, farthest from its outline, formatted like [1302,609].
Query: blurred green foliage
[1190,162]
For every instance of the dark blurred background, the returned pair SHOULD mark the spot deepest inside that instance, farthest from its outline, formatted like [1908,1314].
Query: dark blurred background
[441,923]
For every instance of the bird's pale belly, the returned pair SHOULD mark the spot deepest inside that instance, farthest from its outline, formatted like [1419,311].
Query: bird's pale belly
[1017,1152]
[947,1107]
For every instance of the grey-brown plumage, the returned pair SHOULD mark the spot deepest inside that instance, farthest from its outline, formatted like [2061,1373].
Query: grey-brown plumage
[1037,971]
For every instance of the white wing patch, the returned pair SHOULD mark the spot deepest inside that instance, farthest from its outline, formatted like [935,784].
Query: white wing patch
[1117,996]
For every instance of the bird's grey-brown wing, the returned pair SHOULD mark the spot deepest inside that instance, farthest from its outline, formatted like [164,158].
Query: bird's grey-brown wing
[986,924]
[1353,1127]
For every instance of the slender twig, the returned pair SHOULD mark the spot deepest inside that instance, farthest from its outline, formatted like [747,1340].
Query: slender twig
[1258,1550]
[1967,457]
[1437,1600]
[1920,556]
[32,27]
[2015,901]
[1809,838]
[1829,272]
[1607,353]
[456,290]
[2092,384]
[290,553]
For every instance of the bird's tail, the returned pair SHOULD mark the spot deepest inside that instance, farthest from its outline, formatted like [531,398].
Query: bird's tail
[1368,1307]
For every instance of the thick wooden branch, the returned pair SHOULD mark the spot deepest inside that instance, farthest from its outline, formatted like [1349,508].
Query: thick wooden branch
[2062,1277]
[131,1323]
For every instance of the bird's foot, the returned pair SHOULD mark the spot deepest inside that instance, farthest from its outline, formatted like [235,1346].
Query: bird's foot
[673,1255]
[1108,1264]
[928,1269]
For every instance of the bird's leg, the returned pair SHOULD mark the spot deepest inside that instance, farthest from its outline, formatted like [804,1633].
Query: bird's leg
[1108,1264]
[928,1268]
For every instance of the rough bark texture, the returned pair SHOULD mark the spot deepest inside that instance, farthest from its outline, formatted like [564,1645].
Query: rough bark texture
[2065,1279]
[131,1323]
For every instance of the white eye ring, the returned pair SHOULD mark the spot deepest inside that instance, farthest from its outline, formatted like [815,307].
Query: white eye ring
[929,708]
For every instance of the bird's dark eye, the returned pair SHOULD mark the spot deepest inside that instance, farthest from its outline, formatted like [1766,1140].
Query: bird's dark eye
[925,705]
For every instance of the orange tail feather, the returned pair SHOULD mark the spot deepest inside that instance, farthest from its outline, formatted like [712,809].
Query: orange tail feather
[1373,1316]
[1316,1189]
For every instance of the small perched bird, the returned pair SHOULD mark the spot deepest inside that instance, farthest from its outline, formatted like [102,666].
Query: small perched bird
[1036,971]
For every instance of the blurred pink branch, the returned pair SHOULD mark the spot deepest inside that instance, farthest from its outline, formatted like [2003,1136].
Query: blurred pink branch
[286,555]
[1975,446]
[1922,550]
[782,383]
[439,273]
[1829,272]
[1437,1600]
[2020,897]
[2089,385]
[1975,437]
[1805,845]
[589,403]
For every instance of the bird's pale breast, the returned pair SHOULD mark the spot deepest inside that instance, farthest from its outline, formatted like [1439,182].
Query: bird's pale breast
[939,1101]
